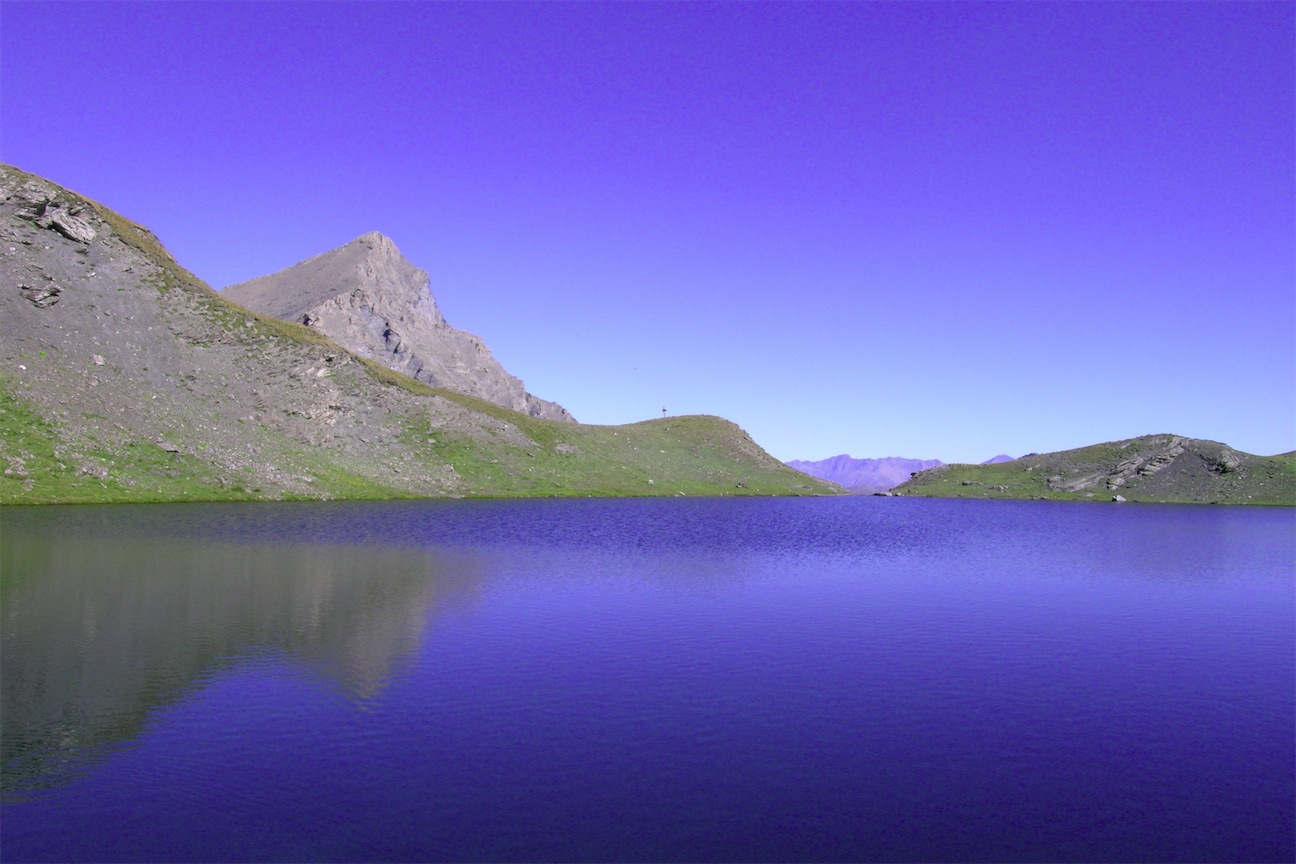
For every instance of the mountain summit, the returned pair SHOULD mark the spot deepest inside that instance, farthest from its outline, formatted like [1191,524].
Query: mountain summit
[366,297]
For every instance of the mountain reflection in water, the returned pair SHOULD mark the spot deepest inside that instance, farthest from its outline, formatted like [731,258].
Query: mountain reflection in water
[101,630]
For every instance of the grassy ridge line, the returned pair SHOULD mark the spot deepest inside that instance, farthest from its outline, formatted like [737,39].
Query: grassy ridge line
[680,456]
[688,455]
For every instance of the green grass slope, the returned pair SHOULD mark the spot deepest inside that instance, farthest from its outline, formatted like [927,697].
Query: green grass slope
[1151,468]
[123,377]
[693,455]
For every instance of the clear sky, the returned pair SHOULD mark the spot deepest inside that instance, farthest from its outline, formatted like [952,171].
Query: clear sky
[885,229]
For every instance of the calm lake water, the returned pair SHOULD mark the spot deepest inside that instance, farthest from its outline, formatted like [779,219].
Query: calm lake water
[701,680]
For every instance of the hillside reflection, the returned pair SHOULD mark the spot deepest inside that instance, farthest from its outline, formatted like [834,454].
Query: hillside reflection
[100,631]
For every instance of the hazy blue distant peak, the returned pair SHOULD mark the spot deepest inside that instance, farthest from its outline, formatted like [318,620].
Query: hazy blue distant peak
[871,475]
[1002,457]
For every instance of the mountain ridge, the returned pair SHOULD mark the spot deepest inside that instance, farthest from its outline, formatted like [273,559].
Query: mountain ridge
[125,378]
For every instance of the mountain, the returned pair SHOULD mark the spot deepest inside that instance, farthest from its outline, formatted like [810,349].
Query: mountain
[864,476]
[995,460]
[1165,468]
[123,377]
[367,298]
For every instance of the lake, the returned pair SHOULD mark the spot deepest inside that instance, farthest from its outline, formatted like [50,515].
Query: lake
[871,679]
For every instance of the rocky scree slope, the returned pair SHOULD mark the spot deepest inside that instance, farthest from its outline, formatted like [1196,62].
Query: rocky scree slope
[367,298]
[1162,468]
[123,377]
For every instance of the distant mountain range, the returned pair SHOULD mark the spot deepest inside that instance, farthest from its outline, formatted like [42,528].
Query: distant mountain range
[868,476]
[864,476]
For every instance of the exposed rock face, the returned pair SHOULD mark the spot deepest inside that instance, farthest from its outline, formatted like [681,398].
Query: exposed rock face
[366,297]
[1140,463]
[39,201]
[864,476]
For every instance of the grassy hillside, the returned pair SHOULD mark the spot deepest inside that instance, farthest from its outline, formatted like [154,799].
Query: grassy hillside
[1163,468]
[123,377]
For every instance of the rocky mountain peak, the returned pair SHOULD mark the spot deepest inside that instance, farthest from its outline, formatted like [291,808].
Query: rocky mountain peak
[378,244]
[371,264]
[367,297]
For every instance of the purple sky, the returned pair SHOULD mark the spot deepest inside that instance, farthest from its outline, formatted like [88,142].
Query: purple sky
[888,229]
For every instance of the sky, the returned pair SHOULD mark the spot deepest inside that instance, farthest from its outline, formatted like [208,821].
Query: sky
[920,229]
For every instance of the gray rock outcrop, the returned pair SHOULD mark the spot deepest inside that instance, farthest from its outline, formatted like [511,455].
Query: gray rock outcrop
[366,297]
[1141,463]
[40,201]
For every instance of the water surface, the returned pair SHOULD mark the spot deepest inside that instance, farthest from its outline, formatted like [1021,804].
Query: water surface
[733,679]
